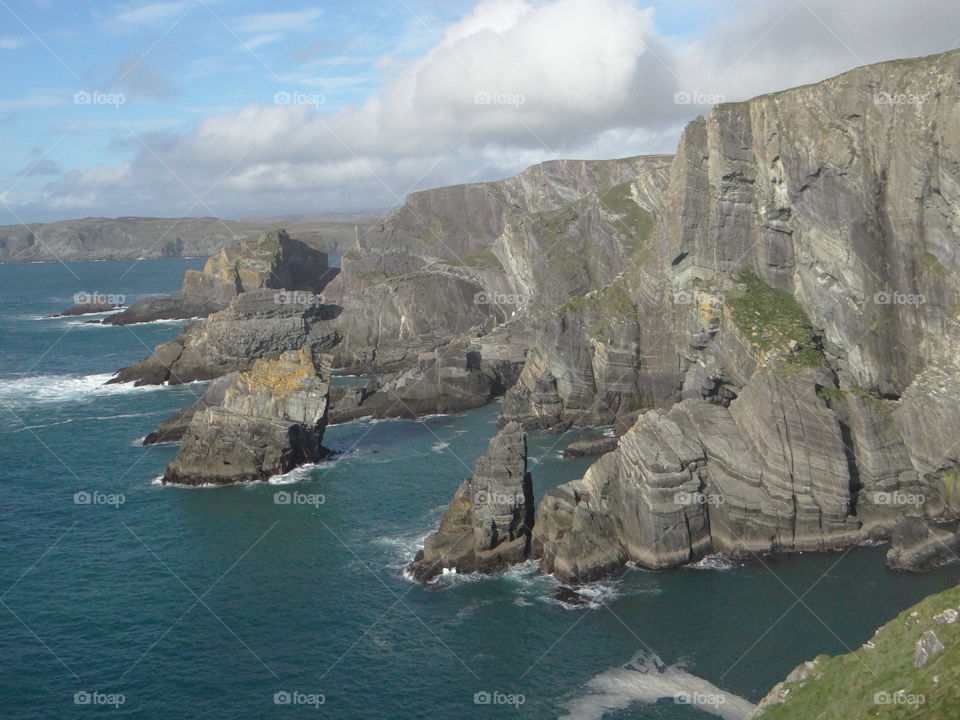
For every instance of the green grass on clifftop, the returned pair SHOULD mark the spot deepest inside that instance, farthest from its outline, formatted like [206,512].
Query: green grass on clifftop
[638,223]
[882,682]
[771,319]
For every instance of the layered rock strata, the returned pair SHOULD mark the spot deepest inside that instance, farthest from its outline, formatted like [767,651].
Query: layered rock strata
[487,525]
[271,419]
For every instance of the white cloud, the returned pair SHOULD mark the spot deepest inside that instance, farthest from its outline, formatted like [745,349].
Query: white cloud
[512,83]
[267,28]
[130,18]
[276,22]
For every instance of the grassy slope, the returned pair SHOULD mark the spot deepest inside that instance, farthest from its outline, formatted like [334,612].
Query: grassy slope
[847,686]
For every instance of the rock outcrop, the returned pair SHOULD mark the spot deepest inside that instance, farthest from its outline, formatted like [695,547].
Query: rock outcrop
[175,427]
[487,525]
[271,419]
[795,320]
[273,260]
[257,324]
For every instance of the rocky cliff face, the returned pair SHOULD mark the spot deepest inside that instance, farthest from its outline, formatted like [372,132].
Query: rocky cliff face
[257,324]
[487,525]
[462,261]
[773,311]
[273,260]
[270,420]
[800,298]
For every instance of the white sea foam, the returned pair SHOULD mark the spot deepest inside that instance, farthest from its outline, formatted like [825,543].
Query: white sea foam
[646,679]
[439,447]
[300,474]
[716,562]
[63,388]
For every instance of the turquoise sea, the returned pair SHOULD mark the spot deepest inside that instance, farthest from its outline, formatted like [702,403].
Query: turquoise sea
[135,600]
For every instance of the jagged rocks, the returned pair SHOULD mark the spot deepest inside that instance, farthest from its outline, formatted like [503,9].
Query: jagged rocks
[258,324]
[487,525]
[274,260]
[769,474]
[927,646]
[590,446]
[272,419]
[916,544]
[174,427]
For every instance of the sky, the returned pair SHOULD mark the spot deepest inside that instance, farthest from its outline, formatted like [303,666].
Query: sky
[243,108]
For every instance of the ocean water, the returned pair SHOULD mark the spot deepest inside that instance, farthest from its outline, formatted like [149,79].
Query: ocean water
[123,598]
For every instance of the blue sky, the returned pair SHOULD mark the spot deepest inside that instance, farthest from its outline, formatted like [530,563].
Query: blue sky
[239,107]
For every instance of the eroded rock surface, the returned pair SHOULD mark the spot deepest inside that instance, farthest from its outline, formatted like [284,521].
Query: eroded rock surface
[271,419]
[487,525]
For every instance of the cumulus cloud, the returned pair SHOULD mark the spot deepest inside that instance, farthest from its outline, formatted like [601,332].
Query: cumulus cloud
[511,83]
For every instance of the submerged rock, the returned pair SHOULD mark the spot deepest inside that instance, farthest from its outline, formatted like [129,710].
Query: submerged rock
[272,419]
[486,527]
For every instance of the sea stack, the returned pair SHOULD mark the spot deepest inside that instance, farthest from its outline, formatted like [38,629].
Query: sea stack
[271,420]
[488,524]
